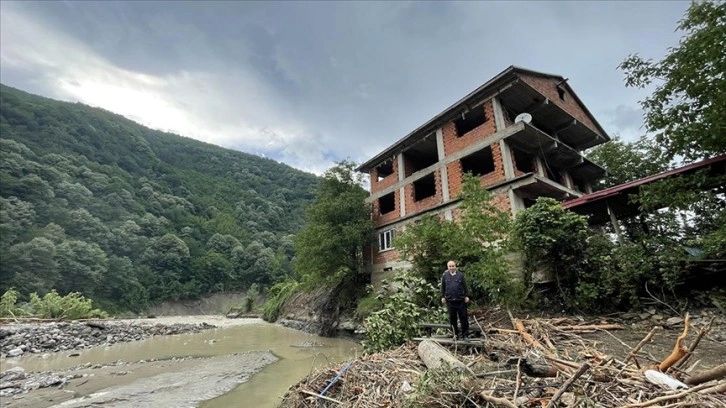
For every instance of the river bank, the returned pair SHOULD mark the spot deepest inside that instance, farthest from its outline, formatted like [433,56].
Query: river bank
[211,376]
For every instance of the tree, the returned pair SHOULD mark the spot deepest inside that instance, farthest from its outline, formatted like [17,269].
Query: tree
[426,243]
[478,241]
[338,227]
[687,115]
[687,110]
[628,161]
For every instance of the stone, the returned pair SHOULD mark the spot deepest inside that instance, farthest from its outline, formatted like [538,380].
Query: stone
[672,321]
[17,351]
[15,373]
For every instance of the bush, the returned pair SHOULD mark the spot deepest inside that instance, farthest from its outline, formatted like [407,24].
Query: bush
[72,306]
[368,305]
[412,301]
[277,296]
[8,304]
[51,306]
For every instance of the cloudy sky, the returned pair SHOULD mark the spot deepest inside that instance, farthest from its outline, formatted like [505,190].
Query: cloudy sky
[310,83]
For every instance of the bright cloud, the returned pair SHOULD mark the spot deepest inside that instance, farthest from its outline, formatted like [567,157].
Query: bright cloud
[311,83]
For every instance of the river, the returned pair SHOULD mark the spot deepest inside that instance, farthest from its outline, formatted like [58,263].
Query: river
[211,379]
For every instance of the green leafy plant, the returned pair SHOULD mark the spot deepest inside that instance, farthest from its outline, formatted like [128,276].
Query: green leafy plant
[408,300]
[72,306]
[8,304]
[479,242]
[277,296]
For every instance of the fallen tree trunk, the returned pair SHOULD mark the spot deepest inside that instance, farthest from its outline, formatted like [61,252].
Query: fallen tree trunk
[435,356]
[715,373]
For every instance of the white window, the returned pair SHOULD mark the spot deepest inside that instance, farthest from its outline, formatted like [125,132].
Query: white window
[385,239]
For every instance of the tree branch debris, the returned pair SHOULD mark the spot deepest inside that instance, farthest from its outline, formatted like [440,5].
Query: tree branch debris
[505,369]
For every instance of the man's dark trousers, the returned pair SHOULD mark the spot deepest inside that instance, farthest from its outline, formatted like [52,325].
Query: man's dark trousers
[458,308]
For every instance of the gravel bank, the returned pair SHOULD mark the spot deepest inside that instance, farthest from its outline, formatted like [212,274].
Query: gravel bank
[18,339]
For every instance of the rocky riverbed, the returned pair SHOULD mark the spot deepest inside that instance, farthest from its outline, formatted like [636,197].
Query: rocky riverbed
[19,339]
[21,388]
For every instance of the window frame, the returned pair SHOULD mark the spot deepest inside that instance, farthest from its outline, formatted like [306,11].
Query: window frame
[385,239]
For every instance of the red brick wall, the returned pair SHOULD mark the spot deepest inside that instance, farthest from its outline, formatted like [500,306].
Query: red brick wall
[417,206]
[501,201]
[393,215]
[386,256]
[390,180]
[456,177]
[407,167]
[548,88]
[453,142]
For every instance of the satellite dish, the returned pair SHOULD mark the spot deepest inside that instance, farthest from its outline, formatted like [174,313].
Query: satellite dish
[523,117]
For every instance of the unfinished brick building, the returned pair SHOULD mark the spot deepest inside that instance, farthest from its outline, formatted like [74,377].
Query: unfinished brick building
[518,157]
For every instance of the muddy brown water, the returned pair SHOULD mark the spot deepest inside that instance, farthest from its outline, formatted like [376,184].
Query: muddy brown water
[266,356]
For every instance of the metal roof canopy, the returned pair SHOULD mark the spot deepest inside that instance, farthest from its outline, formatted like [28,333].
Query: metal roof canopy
[602,206]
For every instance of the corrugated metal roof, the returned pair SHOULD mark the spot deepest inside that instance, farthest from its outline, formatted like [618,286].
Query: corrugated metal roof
[621,188]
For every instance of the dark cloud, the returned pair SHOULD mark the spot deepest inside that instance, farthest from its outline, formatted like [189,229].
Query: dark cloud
[310,81]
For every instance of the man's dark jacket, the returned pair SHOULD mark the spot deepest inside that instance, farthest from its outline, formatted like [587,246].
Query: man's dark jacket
[453,287]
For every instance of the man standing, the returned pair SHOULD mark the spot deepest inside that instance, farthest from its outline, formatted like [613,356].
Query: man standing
[456,296]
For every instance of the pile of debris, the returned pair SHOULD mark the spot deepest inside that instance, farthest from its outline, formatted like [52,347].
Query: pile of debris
[535,363]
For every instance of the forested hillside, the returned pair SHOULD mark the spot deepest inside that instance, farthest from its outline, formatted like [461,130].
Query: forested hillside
[93,202]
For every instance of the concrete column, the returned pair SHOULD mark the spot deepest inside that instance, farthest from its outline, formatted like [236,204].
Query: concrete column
[440,144]
[444,171]
[539,167]
[498,113]
[615,224]
[402,190]
[448,215]
[506,160]
[401,167]
[516,202]
[402,200]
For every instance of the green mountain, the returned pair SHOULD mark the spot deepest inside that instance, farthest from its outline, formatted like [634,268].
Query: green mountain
[92,202]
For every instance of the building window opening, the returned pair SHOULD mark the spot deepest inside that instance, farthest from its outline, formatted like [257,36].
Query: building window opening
[479,163]
[523,161]
[385,239]
[421,155]
[384,170]
[424,187]
[470,120]
[552,173]
[387,203]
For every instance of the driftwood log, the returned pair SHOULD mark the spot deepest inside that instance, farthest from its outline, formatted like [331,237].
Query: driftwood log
[715,373]
[679,350]
[436,356]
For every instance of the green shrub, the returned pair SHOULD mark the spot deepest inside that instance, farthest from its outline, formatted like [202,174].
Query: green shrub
[277,296]
[72,306]
[412,301]
[367,305]
[8,304]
